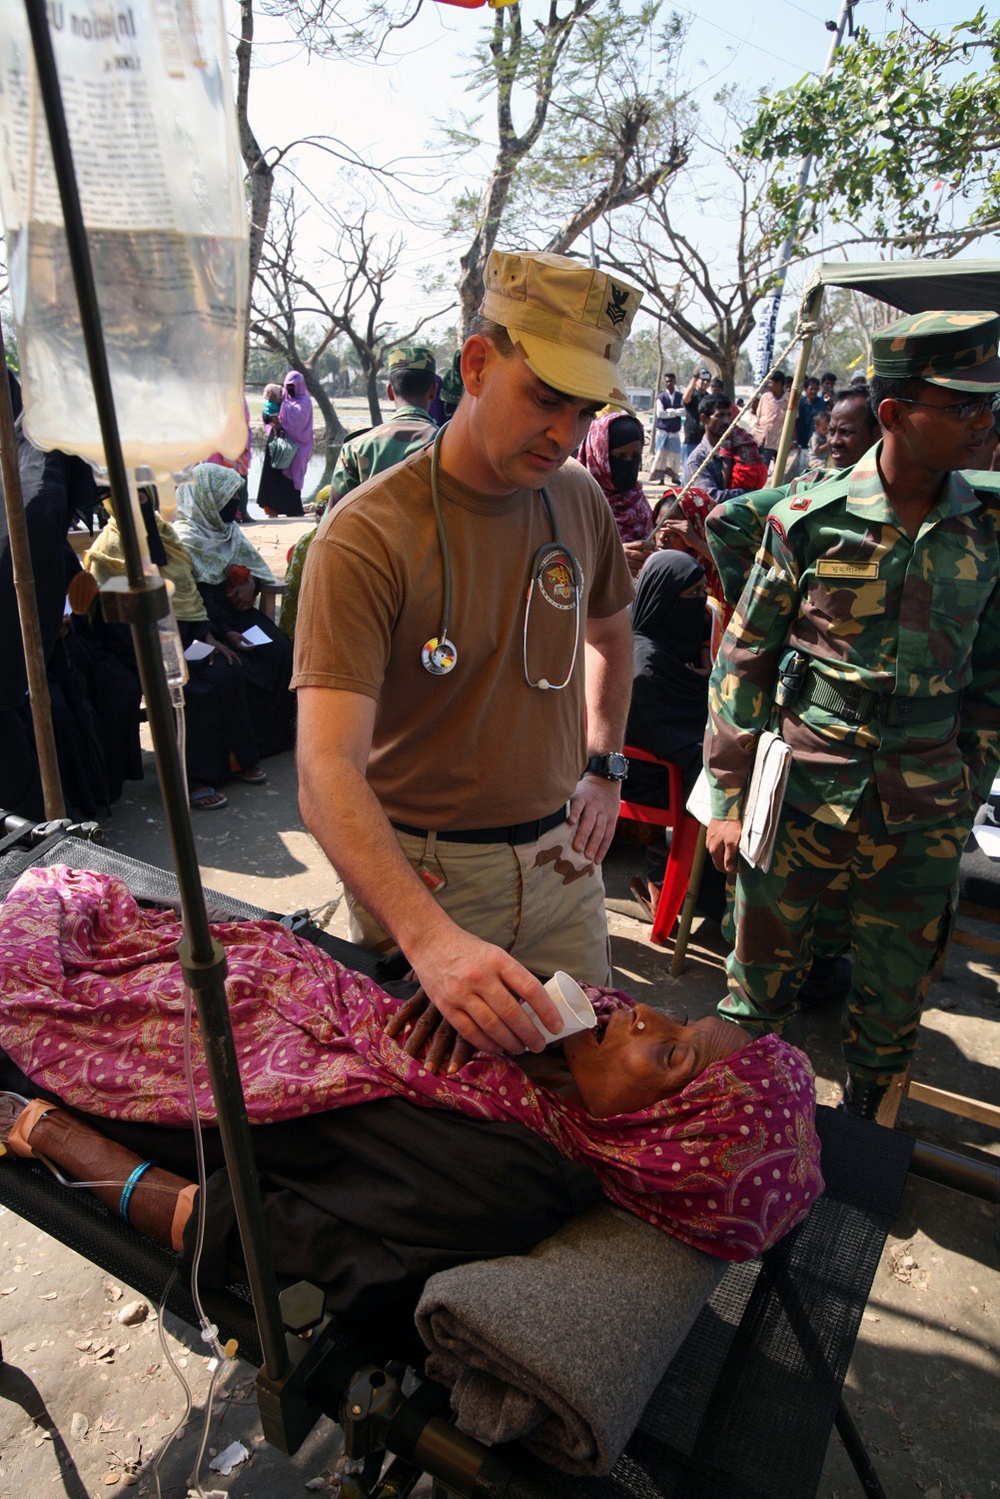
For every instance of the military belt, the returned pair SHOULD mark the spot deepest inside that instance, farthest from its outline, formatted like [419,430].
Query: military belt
[860,705]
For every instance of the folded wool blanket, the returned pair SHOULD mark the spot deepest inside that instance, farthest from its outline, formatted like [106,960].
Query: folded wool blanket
[562,1348]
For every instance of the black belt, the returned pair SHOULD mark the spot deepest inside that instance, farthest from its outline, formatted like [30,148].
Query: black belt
[859,705]
[518,832]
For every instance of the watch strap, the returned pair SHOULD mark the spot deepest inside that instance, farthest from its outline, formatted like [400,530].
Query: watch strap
[613,767]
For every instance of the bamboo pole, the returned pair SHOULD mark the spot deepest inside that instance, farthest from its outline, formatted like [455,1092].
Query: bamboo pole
[27,608]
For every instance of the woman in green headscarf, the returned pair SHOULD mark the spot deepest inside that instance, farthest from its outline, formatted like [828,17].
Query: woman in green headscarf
[229,572]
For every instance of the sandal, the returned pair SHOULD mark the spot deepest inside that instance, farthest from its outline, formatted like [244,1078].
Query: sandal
[255,776]
[207,799]
[647,894]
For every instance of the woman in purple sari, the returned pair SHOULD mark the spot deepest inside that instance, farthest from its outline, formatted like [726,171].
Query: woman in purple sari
[280,491]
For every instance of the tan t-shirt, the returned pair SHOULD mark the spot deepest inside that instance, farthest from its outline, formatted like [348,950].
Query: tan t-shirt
[770,420]
[478,747]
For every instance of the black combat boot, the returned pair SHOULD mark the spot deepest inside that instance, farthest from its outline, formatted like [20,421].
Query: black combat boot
[863,1096]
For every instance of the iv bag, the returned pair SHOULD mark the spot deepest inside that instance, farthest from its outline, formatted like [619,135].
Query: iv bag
[149,104]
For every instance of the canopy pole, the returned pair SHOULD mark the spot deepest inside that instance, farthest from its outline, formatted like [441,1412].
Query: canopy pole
[27,609]
[810,313]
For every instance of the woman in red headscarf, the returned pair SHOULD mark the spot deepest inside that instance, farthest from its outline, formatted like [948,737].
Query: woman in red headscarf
[612,452]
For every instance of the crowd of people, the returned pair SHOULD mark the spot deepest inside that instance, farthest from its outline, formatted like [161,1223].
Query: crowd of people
[482,621]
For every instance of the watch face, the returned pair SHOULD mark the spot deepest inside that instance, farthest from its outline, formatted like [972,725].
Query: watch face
[617,766]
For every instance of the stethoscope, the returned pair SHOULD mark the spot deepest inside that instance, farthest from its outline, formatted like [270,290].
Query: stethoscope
[554,571]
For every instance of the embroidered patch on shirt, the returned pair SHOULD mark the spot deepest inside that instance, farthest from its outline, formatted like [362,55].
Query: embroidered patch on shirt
[829,567]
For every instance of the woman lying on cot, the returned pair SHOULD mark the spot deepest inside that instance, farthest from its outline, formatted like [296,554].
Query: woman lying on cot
[695,1128]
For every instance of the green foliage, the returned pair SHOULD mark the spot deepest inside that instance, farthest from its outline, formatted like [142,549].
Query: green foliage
[905,131]
[639,359]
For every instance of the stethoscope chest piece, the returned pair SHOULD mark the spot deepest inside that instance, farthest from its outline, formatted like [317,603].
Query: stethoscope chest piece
[439,656]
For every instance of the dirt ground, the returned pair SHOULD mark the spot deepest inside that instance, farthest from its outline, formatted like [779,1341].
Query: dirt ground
[87,1403]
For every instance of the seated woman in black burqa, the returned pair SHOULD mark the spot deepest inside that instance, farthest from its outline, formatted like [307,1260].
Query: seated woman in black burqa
[671,661]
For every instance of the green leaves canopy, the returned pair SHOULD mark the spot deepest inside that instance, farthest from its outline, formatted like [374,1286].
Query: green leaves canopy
[905,131]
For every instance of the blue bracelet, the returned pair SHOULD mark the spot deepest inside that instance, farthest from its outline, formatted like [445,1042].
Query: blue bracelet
[129,1188]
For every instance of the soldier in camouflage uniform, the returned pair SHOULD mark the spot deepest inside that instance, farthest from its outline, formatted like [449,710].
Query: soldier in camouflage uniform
[869,632]
[735,528]
[411,388]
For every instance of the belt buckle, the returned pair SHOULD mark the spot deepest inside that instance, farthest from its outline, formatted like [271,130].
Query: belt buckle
[897,711]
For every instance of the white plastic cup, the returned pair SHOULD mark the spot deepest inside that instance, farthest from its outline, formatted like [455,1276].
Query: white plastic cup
[573,1005]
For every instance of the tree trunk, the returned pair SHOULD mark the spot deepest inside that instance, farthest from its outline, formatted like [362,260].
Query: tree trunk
[371,391]
[259,173]
[726,361]
[335,430]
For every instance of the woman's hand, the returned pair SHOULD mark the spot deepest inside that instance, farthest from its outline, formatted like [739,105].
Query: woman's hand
[224,651]
[430,1030]
[237,641]
[679,528]
[636,553]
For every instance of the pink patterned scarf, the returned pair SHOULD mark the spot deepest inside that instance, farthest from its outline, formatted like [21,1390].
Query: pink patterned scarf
[91,1007]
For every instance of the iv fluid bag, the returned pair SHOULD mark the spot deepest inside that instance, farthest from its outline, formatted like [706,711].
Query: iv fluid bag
[148,97]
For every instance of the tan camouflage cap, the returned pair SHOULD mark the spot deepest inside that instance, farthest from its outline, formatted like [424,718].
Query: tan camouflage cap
[569,321]
[955,349]
[409,357]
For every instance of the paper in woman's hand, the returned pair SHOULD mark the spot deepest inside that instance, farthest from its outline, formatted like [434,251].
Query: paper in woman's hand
[256,636]
[198,650]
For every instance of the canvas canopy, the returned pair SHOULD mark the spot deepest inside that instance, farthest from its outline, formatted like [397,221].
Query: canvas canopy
[915,285]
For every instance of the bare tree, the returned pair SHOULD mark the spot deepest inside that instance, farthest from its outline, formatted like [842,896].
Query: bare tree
[260,173]
[708,298]
[298,315]
[367,268]
[261,163]
[603,128]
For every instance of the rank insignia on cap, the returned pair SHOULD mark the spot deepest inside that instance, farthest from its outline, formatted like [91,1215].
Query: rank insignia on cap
[617,308]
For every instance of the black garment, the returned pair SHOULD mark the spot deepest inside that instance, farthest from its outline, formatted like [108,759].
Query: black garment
[692,421]
[95,710]
[20,778]
[115,693]
[276,490]
[669,404]
[220,721]
[669,707]
[53,485]
[217,713]
[368,1201]
[267,670]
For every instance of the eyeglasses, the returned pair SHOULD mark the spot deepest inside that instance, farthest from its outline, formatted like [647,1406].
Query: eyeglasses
[966,412]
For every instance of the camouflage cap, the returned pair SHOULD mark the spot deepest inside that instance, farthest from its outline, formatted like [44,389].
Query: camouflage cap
[409,357]
[568,320]
[955,349]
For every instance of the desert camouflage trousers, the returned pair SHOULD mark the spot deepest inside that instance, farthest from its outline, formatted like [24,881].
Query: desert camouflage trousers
[542,902]
[898,888]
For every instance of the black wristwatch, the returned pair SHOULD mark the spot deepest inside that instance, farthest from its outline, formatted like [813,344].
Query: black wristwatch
[613,767]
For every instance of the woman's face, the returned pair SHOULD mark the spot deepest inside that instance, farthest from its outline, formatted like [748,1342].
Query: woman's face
[642,1056]
[624,461]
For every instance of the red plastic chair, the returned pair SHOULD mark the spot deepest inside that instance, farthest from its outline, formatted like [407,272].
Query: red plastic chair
[682,845]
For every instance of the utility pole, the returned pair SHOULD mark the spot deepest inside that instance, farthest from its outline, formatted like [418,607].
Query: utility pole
[768,322]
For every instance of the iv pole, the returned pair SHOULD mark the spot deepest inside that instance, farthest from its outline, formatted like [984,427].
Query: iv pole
[140,601]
